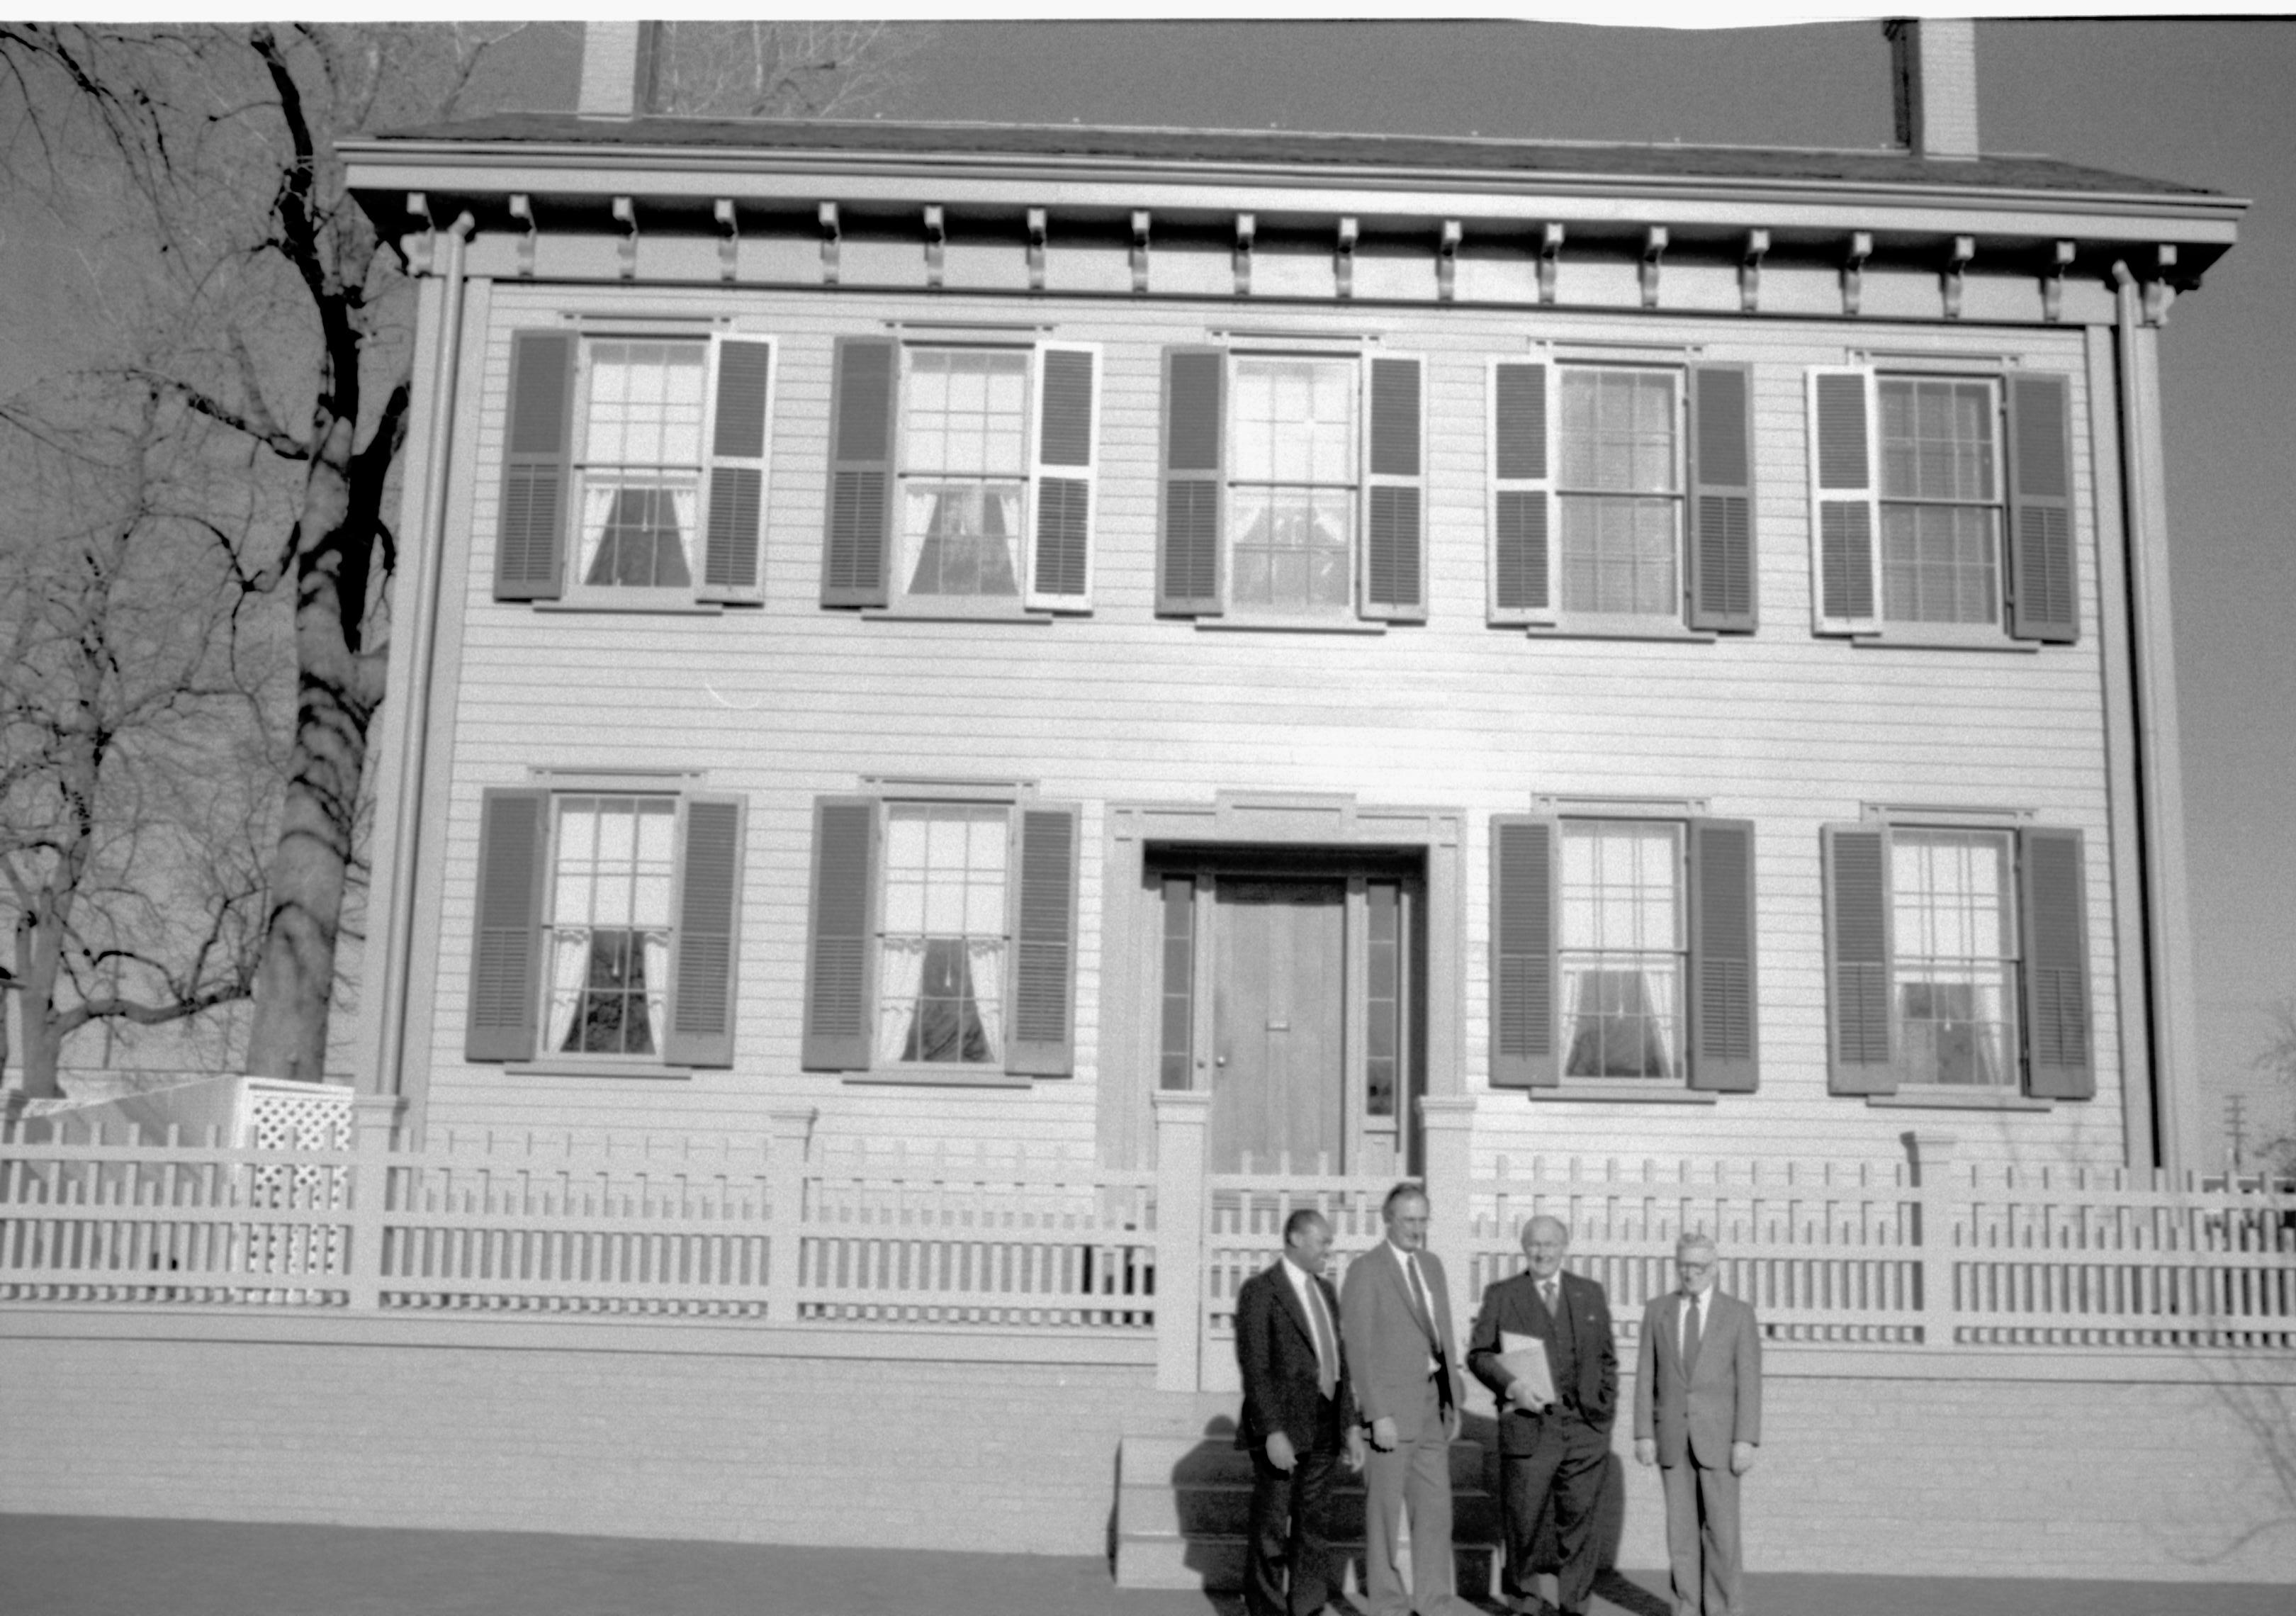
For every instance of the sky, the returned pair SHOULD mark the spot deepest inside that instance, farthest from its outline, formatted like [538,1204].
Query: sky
[2206,102]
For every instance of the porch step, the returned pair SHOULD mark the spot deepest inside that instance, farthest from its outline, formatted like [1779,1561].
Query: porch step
[1183,1503]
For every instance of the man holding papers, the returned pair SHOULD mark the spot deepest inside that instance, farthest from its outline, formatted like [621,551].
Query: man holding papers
[1543,1344]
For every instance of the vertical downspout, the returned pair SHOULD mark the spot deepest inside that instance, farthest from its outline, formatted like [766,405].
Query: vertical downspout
[419,645]
[2160,794]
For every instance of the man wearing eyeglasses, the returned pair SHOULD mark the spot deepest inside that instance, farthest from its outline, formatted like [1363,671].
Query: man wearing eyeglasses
[1698,1417]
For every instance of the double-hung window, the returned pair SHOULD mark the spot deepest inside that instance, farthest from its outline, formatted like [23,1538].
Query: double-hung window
[1621,497]
[1294,487]
[943,936]
[605,926]
[1942,507]
[1622,947]
[634,468]
[961,476]
[1957,958]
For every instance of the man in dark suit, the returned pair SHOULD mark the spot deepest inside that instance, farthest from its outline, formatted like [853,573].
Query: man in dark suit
[1698,1417]
[1298,1418]
[1395,1312]
[1556,1448]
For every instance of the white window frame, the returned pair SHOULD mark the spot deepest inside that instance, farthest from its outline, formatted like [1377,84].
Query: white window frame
[546,1050]
[1357,488]
[1678,1048]
[576,590]
[2012,1076]
[1034,469]
[1678,379]
[885,1068]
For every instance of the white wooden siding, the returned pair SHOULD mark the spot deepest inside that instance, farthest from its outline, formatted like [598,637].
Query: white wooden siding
[786,702]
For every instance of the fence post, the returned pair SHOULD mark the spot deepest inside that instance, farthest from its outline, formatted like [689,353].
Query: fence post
[788,1139]
[1181,1116]
[1931,1157]
[1447,1126]
[373,1130]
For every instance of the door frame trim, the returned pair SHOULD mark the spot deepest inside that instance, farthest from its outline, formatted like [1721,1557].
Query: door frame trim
[1131,974]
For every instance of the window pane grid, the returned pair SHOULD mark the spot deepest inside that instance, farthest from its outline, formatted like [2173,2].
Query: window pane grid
[1954,932]
[941,958]
[1941,510]
[640,471]
[964,462]
[1619,486]
[1293,506]
[610,924]
[1623,949]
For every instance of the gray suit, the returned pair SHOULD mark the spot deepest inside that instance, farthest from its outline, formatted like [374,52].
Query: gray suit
[1695,1410]
[1389,1342]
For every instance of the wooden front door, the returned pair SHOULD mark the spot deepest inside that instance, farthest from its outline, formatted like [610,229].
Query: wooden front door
[1279,1022]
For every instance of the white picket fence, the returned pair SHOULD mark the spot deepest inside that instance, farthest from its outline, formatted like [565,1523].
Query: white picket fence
[793,1232]
[530,1226]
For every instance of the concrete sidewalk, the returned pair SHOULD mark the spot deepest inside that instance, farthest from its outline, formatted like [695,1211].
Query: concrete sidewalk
[80,1565]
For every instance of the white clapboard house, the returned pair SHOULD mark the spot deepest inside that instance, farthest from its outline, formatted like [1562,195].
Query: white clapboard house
[969,627]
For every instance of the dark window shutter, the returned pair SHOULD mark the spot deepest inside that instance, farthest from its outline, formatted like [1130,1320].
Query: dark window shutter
[1188,529]
[2044,574]
[839,1011]
[1522,585]
[1858,992]
[538,468]
[1395,521]
[1847,520]
[506,942]
[862,430]
[839,992]
[1059,572]
[2053,882]
[1523,905]
[1044,944]
[1722,557]
[702,972]
[1723,1051]
[733,535]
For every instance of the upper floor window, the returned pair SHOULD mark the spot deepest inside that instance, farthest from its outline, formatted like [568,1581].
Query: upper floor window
[1621,497]
[1942,506]
[1293,486]
[634,468]
[961,476]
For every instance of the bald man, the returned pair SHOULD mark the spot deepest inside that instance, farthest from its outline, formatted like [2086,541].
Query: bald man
[1554,1449]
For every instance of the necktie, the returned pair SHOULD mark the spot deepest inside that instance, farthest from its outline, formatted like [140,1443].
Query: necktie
[1418,1292]
[1327,1370]
[1689,1330]
[1547,1295]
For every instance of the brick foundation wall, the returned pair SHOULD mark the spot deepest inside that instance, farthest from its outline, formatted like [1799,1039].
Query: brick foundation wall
[2055,1463]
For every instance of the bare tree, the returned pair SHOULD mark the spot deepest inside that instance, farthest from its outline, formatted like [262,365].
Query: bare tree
[782,70]
[133,802]
[216,147]
[2278,1059]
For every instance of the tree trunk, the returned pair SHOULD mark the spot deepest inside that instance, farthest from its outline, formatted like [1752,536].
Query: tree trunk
[334,705]
[37,951]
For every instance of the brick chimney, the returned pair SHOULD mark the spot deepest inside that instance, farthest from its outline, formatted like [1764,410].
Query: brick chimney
[1933,85]
[619,60]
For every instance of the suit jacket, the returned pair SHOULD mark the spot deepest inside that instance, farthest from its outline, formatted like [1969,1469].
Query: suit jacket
[1388,1344]
[1275,1349]
[1592,1393]
[1697,1412]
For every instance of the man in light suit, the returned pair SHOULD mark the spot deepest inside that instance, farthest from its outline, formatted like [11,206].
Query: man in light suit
[1698,1417]
[1298,1418]
[1395,1314]
[1557,1449]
